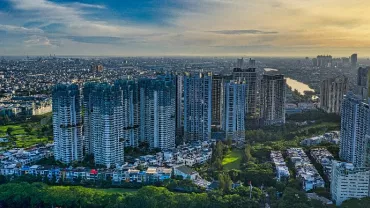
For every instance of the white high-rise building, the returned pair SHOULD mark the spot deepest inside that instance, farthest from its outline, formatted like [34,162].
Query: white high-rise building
[179,105]
[107,126]
[67,123]
[354,135]
[331,93]
[158,112]
[272,95]
[197,106]
[348,181]
[234,106]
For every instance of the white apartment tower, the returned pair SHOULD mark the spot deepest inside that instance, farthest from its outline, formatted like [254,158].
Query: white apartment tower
[158,112]
[272,95]
[355,123]
[332,91]
[197,106]
[67,123]
[234,106]
[348,181]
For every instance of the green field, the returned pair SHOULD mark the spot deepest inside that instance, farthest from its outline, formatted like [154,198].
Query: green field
[22,138]
[232,159]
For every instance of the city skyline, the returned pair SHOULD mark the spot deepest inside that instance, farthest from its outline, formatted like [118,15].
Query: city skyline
[183,28]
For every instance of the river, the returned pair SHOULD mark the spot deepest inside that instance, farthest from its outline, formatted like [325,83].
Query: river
[294,84]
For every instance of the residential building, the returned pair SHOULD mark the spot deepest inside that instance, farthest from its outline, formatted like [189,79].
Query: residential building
[348,182]
[179,105]
[331,93]
[108,125]
[281,168]
[305,171]
[67,123]
[197,106]
[186,172]
[217,95]
[363,81]
[250,76]
[158,112]
[354,137]
[272,103]
[234,106]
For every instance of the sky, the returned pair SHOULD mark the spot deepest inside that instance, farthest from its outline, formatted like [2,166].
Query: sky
[185,27]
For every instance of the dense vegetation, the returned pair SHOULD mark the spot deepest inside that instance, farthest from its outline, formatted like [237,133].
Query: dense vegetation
[24,132]
[41,195]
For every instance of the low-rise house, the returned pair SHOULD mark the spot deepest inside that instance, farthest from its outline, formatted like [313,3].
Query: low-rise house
[186,172]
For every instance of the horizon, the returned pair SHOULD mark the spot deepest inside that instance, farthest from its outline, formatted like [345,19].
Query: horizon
[184,28]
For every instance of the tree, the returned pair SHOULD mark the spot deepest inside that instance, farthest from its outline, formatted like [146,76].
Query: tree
[28,129]
[247,154]
[9,130]
[356,203]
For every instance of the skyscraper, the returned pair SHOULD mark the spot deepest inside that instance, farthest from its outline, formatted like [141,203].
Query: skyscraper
[88,119]
[234,105]
[128,97]
[354,60]
[158,111]
[331,93]
[217,93]
[197,106]
[179,105]
[107,125]
[354,135]
[250,76]
[272,96]
[67,123]
[363,82]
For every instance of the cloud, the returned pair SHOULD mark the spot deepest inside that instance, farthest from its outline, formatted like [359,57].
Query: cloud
[36,40]
[91,6]
[19,29]
[242,32]
[97,39]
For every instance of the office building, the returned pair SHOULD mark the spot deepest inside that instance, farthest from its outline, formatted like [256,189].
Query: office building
[67,123]
[217,93]
[354,135]
[158,112]
[332,91]
[272,103]
[197,106]
[250,76]
[354,60]
[363,80]
[234,105]
[348,182]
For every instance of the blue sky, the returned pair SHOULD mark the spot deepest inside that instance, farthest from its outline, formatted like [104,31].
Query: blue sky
[184,27]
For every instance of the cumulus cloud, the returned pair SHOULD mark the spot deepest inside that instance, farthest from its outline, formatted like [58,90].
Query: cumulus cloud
[36,40]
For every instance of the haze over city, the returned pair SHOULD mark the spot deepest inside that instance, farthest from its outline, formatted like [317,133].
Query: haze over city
[184,27]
